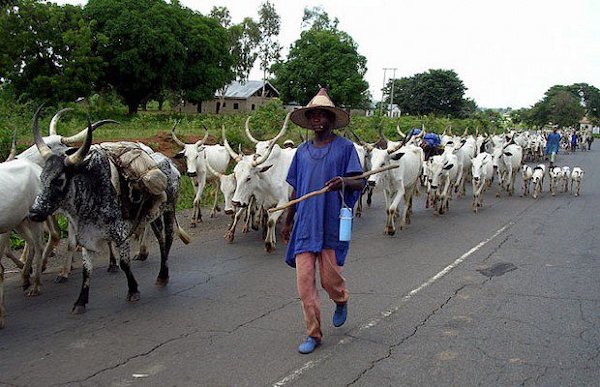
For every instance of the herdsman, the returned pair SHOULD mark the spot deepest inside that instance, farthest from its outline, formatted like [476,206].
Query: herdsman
[326,160]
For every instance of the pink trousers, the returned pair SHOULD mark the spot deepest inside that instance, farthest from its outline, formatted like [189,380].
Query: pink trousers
[331,280]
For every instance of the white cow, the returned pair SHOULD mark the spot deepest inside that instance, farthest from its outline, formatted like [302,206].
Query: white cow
[537,178]
[19,186]
[566,176]
[576,178]
[526,175]
[556,174]
[264,177]
[465,152]
[444,174]
[507,162]
[482,171]
[195,157]
[399,183]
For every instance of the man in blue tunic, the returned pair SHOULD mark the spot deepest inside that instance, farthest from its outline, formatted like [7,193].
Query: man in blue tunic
[312,226]
[552,145]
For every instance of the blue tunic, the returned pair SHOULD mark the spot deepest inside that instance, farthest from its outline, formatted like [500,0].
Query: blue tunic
[317,219]
[553,143]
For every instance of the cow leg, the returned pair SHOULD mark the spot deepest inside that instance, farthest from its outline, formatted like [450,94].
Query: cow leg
[271,239]
[216,207]
[142,253]
[63,275]
[359,205]
[34,232]
[4,238]
[369,195]
[86,273]
[230,234]
[196,210]
[133,293]
[163,274]
[53,239]
[9,253]
[112,260]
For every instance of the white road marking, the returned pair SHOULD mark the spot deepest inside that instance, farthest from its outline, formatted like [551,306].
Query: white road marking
[313,363]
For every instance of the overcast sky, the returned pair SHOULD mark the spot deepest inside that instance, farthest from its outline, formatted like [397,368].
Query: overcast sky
[507,53]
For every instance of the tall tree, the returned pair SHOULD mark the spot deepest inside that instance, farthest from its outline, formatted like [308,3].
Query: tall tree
[326,57]
[46,51]
[152,45]
[566,105]
[269,25]
[440,92]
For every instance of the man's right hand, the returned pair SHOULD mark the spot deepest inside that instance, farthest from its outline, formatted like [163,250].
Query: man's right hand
[286,231]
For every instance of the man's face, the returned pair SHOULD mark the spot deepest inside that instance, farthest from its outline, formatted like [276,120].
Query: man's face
[320,120]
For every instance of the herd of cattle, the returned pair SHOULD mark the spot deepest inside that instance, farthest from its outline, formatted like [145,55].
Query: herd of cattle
[109,203]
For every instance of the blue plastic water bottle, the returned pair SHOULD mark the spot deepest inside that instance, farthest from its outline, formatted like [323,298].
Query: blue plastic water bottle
[345,224]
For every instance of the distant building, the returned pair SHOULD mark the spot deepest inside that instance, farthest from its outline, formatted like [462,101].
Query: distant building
[238,98]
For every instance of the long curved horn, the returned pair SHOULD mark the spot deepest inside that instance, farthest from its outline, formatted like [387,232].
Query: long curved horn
[381,135]
[264,157]
[43,148]
[283,129]
[13,147]
[400,132]
[82,135]
[476,132]
[404,141]
[203,140]
[77,157]
[445,132]
[210,168]
[466,132]
[450,130]
[301,136]
[248,134]
[174,136]
[52,127]
[232,153]
[360,141]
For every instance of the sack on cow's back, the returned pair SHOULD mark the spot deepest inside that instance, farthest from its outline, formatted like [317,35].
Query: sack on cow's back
[137,166]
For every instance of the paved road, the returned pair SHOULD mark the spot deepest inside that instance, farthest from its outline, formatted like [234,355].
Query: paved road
[510,296]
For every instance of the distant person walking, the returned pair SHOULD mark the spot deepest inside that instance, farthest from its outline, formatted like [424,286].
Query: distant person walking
[312,226]
[573,141]
[552,145]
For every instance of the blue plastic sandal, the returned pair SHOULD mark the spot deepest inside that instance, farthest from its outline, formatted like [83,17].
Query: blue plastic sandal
[308,345]
[341,312]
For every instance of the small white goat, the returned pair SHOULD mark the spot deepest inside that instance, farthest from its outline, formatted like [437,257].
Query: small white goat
[576,177]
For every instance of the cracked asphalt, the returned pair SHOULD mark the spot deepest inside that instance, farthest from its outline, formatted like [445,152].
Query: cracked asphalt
[509,296]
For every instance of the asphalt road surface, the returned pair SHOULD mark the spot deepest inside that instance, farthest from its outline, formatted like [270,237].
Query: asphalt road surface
[509,296]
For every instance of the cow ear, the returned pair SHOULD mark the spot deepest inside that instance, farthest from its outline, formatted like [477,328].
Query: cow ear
[178,155]
[264,169]
[397,156]
[508,153]
[449,167]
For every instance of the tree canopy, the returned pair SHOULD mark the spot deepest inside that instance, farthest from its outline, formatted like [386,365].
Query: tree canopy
[323,56]
[46,52]
[439,92]
[566,105]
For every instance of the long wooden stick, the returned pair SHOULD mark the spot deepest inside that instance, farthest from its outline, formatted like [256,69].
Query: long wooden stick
[326,189]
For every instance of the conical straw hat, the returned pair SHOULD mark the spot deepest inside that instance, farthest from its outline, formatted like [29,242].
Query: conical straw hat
[320,101]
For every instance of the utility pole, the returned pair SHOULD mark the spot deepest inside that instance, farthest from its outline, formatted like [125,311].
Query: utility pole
[382,93]
[392,93]
[392,96]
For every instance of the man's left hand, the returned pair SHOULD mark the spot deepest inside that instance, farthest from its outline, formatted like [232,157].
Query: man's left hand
[336,183]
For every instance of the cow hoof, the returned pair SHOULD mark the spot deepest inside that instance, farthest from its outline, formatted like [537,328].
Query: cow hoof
[497,195]
[358,215]
[113,268]
[133,297]
[193,225]
[245,230]
[229,237]
[25,284]
[60,279]
[270,247]
[255,227]
[35,291]
[161,282]
[141,256]
[78,309]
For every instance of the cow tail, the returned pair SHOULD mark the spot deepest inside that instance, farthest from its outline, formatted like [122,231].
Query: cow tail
[183,235]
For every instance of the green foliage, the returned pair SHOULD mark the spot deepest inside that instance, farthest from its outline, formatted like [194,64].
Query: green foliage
[564,105]
[269,25]
[323,57]
[46,52]
[437,92]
